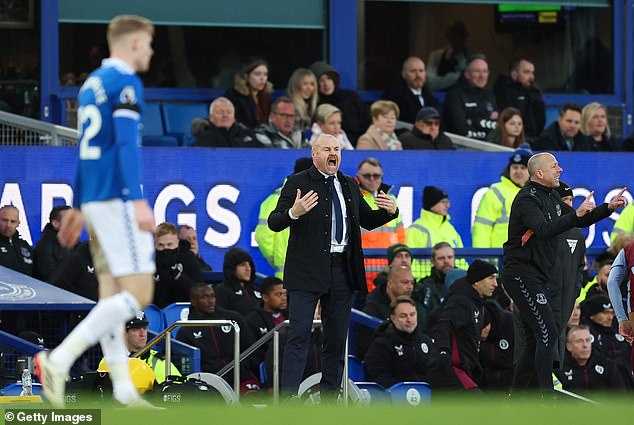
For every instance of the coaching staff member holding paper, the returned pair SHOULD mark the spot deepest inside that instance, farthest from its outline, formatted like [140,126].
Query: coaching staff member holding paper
[324,261]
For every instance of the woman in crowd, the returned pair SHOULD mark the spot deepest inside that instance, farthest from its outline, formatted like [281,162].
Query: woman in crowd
[594,123]
[328,121]
[510,129]
[380,135]
[250,94]
[302,89]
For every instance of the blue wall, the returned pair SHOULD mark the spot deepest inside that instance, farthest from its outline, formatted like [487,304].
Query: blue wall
[220,190]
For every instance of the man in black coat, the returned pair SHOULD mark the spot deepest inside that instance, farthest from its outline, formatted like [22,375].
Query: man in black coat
[15,252]
[565,133]
[237,291]
[76,273]
[518,90]
[538,217]
[426,133]
[224,131]
[497,347]
[324,261]
[47,252]
[410,92]
[400,350]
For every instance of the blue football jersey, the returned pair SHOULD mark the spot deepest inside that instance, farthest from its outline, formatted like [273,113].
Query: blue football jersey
[110,103]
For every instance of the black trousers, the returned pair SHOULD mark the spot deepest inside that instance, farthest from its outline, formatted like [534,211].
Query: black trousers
[335,316]
[541,334]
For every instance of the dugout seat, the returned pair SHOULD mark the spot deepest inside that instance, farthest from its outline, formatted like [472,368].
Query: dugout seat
[175,312]
[178,119]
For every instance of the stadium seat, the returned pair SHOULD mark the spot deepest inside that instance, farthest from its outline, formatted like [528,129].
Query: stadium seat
[552,115]
[355,369]
[410,393]
[153,132]
[375,392]
[178,119]
[155,316]
[175,312]
[264,378]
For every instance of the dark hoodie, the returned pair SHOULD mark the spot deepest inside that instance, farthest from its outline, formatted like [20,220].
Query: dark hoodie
[431,293]
[468,110]
[397,356]
[230,294]
[47,254]
[16,254]
[528,101]
[176,272]
[459,326]
[355,114]
[496,352]
[76,273]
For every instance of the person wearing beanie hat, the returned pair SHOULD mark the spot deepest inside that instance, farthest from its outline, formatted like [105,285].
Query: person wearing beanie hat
[537,221]
[272,244]
[395,249]
[370,179]
[433,226]
[398,255]
[237,292]
[410,93]
[426,133]
[459,328]
[491,223]
[355,113]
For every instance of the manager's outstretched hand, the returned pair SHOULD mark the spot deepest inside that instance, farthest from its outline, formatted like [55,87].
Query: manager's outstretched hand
[303,204]
[619,201]
[386,202]
[586,206]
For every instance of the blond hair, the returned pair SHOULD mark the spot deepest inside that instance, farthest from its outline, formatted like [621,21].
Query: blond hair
[383,107]
[588,112]
[123,25]
[324,111]
[165,229]
[305,107]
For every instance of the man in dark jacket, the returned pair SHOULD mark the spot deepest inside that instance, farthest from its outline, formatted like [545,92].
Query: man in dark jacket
[400,351]
[410,92]
[497,347]
[188,237]
[518,90]
[224,131]
[15,252]
[458,330]
[426,133]
[324,261]
[470,108]
[585,371]
[216,343]
[47,252]
[537,218]
[76,273]
[176,267]
[355,114]
[565,133]
[273,311]
[237,291]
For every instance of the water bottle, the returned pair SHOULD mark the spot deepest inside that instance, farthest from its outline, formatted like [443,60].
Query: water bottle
[27,383]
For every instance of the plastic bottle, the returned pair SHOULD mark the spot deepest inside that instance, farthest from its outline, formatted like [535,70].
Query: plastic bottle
[27,383]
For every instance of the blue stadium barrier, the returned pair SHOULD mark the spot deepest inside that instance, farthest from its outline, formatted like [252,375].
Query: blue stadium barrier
[410,393]
[355,369]
[357,317]
[153,130]
[178,119]
[264,378]
[175,312]
[155,316]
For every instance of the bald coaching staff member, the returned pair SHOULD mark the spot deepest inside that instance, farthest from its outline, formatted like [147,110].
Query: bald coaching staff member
[324,260]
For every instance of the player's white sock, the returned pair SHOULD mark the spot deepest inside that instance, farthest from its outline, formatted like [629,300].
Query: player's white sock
[109,312]
[116,354]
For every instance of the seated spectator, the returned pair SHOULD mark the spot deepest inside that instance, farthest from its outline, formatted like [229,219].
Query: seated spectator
[328,121]
[15,252]
[216,343]
[136,339]
[598,314]
[510,130]
[237,292]
[280,132]
[355,114]
[431,290]
[583,370]
[251,93]
[426,133]
[564,134]
[398,255]
[518,90]
[273,312]
[76,273]
[187,236]
[302,90]
[410,93]
[445,65]
[458,330]
[599,284]
[497,348]
[176,267]
[594,123]
[381,134]
[47,252]
[470,108]
[224,131]
[400,351]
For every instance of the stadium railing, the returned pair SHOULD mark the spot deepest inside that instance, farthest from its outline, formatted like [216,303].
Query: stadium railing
[21,131]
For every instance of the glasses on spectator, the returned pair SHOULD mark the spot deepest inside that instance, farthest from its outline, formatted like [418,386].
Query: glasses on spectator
[285,116]
[432,122]
[373,176]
